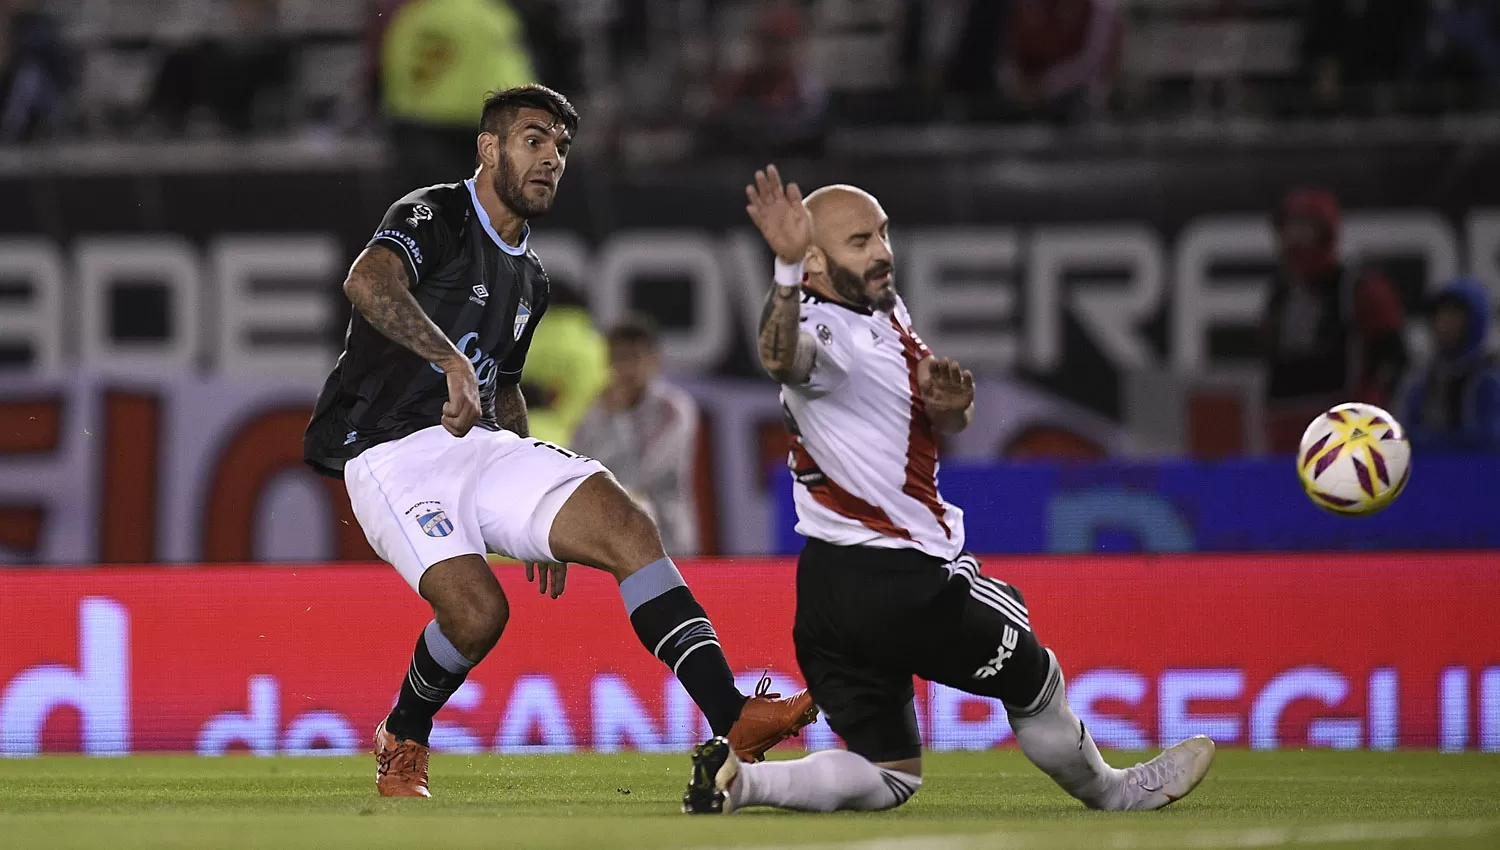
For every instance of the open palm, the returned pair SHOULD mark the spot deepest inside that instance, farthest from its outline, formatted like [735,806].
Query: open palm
[780,215]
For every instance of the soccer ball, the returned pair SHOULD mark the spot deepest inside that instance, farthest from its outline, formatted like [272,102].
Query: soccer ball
[1354,459]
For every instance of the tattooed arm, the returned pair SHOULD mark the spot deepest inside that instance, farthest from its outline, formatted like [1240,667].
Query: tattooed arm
[377,287]
[510,410]
[786,351]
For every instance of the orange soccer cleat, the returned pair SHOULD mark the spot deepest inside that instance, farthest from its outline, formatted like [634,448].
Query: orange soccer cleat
[768,719]
[400,766]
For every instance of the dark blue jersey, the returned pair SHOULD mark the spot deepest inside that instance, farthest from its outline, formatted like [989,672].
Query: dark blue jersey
[487,296]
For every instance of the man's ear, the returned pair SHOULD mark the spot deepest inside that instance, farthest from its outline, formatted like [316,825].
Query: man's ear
[489,149]
[816,261]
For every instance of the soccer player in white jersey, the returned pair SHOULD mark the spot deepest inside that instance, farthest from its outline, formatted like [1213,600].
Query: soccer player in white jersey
[885,590]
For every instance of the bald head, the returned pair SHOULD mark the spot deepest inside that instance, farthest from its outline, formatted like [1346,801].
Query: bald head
[851,246]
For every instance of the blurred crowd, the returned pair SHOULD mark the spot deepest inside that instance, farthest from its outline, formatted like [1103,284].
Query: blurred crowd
[764,74]
[1335,330]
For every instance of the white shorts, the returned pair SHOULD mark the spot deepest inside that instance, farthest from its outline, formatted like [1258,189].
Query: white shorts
[431,496]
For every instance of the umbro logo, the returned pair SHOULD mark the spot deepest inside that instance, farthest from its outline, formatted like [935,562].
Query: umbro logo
[695,633]
[480,294]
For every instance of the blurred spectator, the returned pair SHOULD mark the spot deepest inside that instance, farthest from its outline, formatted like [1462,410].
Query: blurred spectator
[566,367]
[1455,403]
[1331,333]
[241,79]
[644,430]
[35,70]
[775,105]
[1460,52]
[438,59]
[1061,56]
[974,67]
[1352,50]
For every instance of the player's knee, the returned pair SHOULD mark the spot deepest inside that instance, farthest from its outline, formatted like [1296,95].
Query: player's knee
[474,625]
[632,541]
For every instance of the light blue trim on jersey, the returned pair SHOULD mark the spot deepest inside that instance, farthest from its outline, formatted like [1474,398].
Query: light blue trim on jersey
[484,219]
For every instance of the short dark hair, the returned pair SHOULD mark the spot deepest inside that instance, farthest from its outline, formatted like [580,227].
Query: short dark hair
[635,327]
[500,107]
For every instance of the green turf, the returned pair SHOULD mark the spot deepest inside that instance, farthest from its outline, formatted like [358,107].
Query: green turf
[972,801]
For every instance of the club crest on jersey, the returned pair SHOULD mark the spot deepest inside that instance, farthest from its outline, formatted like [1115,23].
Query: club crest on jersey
[435,524]
[523,315]
[419,213]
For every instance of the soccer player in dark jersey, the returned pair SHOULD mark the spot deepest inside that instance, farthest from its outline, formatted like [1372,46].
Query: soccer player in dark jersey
[423,419]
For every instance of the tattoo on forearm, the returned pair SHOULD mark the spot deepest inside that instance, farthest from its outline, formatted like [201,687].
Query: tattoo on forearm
[378,290]
[510,411]
[779,331]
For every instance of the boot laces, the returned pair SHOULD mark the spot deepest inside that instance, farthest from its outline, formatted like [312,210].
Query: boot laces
[405,759]
[1156,773]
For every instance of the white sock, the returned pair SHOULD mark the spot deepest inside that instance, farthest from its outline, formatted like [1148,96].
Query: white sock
[1055,740]
[825,781]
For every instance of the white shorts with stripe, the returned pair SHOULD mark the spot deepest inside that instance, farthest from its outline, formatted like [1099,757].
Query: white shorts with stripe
[431,496]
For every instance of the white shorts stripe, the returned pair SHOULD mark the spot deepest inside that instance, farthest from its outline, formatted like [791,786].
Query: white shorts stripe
[981,589]
[1003,612]
[999,587]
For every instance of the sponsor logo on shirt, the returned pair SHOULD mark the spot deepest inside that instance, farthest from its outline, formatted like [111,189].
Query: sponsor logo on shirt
[410,243]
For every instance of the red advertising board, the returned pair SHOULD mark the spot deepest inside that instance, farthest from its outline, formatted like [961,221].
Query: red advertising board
[1362,651]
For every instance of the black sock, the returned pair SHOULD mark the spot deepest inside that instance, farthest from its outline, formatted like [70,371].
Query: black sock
[674,627]
[428,685]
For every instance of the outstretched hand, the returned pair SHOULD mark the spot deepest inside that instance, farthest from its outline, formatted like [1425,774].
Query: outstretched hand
[780,215]
[547,575]
[946,387]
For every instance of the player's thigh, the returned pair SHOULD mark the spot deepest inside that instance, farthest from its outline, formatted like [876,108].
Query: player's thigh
[601,526]
[523,487]
[848,637]
[982,641]
[413,498]
[872,708]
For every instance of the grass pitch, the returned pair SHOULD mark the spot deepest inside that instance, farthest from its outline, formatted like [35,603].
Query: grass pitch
[971,801]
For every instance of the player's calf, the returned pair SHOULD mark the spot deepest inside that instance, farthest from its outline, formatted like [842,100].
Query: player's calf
[601,526]
[470,614]
[827,781]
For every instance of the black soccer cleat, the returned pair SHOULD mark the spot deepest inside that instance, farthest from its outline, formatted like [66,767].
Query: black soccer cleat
[714,768]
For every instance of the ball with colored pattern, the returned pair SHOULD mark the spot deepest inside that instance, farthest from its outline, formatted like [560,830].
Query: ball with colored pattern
[1354,459]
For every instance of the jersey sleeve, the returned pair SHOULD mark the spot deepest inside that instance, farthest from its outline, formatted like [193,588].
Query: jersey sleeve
[515,361]
[418,234]
[833,350]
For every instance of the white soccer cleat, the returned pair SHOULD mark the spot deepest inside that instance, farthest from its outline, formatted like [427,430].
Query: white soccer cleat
[1169,777]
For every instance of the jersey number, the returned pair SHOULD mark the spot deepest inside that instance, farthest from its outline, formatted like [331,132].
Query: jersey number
[543,444]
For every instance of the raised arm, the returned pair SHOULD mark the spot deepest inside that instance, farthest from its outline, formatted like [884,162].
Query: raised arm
[378,288]
[786,351]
